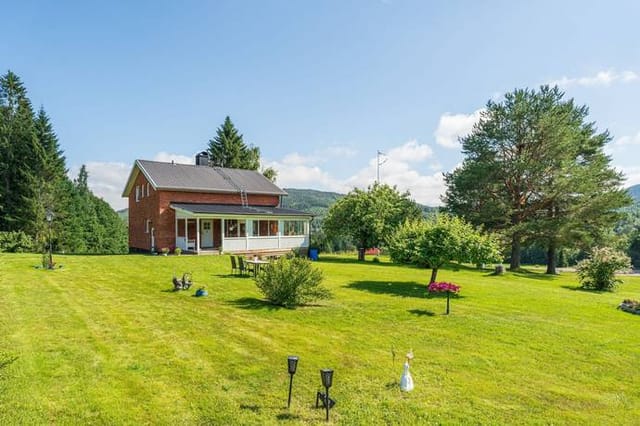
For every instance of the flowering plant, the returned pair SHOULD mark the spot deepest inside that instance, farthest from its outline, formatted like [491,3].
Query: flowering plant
[441,287]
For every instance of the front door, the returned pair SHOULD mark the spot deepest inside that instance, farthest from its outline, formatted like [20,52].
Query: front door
[206,234]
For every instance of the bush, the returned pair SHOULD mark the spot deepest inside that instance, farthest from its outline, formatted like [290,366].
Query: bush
[598,271]
[291,282]
[15,242]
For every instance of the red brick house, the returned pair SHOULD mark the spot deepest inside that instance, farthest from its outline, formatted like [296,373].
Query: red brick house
[209,209]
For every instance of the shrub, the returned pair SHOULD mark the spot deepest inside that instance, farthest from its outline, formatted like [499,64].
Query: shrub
[178,251]
[292,282]
[598,271]
[15,242]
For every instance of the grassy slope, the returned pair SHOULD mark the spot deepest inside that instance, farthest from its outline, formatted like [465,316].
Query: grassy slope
[103,341]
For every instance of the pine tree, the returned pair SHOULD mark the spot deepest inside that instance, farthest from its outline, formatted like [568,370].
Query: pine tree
[535,170]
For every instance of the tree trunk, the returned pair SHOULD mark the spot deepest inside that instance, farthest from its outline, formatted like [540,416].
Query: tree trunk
[434,273]
[551,258]
[515,253]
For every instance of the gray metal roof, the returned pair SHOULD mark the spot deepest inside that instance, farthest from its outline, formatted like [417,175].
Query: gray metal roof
[192,178]
[225,209]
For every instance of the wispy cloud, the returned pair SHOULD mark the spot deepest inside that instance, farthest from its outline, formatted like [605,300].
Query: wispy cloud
[177,158]
[600,79]
[453,126]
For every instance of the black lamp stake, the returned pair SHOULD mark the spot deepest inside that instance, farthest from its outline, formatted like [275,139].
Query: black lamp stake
[49,217]
[327,381]
[292,362]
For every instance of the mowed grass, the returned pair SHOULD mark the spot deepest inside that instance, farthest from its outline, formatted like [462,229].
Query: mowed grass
[104,340]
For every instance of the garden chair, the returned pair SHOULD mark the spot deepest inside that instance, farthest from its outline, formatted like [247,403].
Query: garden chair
[242,266]
[234,265]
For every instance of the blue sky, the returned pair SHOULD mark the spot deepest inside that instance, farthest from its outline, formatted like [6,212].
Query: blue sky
[318,86]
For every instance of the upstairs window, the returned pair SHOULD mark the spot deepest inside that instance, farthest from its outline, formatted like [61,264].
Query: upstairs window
[137,193]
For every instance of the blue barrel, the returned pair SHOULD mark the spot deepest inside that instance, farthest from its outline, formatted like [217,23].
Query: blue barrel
[313,253]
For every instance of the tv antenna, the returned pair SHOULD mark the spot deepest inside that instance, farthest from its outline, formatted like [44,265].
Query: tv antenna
[380,163]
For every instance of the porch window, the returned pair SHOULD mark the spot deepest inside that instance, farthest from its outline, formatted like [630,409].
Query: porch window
[293,227]
[147,226]
[235,228]
[265,228]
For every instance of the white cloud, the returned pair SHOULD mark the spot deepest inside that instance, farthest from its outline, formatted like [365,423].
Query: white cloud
[295,171]
[453,126]
[627,140]
[177,158]
[631,174]
[106,180]
[411,151]
[600,79]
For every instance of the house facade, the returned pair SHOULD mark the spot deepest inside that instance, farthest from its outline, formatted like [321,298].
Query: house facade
[203,209]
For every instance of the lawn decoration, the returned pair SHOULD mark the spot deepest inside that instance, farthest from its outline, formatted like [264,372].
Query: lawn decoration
[632,306]
[182,284]
[442,287]
[406,381]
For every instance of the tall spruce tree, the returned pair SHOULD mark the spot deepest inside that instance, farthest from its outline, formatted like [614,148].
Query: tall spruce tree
[228,149]
[33,180]
[536,171]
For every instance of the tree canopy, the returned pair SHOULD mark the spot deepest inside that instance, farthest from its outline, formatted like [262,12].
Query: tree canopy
[33,179]
[432,242]
[370,217]
[535,170]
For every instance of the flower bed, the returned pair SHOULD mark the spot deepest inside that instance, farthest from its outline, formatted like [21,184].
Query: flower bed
[632,306]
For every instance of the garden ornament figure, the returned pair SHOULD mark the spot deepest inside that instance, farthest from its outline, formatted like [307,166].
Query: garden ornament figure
[406,381]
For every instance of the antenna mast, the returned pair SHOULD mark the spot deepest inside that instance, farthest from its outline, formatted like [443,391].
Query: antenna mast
[380,163]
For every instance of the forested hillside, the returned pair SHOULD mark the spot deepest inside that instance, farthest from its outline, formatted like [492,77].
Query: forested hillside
[34,181]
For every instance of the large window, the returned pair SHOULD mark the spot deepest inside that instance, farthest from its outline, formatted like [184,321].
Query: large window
[293,227]
[265,228]
[235,228]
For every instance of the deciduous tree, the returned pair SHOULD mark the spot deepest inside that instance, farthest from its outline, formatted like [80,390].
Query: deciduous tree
[370,217]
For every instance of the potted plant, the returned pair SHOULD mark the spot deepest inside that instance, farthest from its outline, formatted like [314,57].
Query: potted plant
[165,251]
[177,251]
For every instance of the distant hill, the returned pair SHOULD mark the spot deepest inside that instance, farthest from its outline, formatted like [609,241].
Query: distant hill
[308,200]
[634,191]
[124,215]
[318,202]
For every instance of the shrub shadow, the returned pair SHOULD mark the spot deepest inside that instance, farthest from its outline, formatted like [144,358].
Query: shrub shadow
[397,288]
[422,312]
[253,303]
[586,290]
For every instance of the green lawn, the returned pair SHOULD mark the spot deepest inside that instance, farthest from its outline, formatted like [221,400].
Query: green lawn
[104,341]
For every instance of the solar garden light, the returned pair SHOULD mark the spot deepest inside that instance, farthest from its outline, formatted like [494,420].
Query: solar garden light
[327,380]
[292,362]
[49,217]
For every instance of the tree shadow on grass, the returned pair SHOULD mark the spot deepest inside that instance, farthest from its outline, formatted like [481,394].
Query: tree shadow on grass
[355,261]
[253,303]
[541,276]
[396,288]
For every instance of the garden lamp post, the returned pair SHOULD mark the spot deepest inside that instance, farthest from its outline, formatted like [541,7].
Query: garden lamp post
[49,217]
[292,363]
[327,380]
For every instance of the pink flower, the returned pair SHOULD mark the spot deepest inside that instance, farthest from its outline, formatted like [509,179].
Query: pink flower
[441,287]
